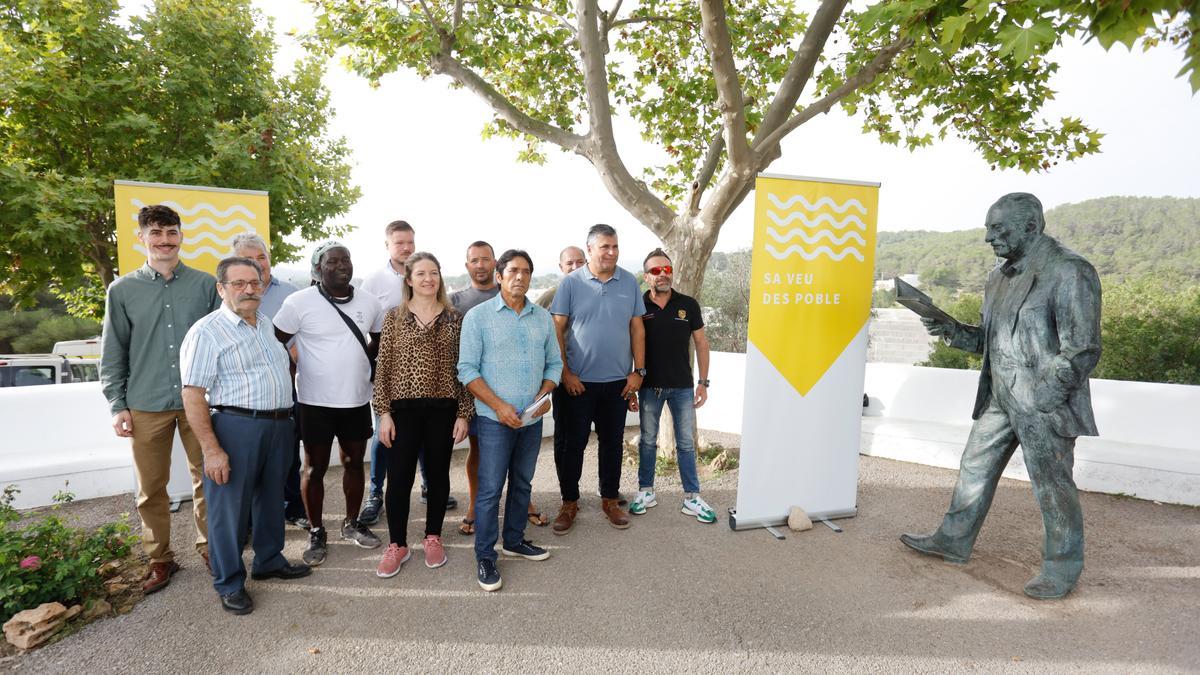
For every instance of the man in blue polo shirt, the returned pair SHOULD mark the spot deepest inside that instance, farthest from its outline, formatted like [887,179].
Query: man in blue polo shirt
[598,316]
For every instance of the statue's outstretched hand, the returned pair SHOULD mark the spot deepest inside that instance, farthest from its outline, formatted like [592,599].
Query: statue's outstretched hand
[942,329]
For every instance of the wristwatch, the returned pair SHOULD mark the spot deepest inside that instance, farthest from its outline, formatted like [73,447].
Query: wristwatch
[640,371]
[703,382]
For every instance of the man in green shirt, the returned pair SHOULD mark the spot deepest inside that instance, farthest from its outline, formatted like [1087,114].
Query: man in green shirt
[147,313]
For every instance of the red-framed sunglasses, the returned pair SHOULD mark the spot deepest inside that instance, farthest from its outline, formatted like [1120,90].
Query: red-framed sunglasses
[664,269]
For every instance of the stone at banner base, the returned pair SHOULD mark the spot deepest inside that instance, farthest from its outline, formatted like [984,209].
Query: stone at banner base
[32,627]
[798,520]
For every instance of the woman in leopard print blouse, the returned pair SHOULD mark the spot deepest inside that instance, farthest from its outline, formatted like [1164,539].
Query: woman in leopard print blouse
[421,406]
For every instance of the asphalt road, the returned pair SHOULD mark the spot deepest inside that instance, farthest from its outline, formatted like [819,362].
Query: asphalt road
[672,595]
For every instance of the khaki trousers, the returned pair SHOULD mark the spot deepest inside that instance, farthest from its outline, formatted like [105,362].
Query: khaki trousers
[153,436]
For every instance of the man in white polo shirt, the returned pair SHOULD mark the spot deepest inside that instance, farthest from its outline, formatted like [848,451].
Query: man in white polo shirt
[387,284]
[336,332]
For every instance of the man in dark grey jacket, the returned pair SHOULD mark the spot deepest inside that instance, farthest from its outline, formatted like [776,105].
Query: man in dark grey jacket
[1040,339]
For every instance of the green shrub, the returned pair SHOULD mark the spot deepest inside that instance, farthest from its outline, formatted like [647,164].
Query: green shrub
[47,560]
[966,308]
[1150,331]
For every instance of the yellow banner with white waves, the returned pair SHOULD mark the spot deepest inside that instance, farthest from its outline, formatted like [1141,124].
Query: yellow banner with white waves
[210,217]
[810,300]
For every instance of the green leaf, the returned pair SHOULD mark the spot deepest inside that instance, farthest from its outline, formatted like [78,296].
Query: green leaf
[1022,42]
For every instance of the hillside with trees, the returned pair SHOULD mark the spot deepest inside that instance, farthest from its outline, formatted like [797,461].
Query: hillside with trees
[1147,251]
[1124,237]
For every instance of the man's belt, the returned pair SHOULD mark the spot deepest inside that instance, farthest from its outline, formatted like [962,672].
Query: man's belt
[281,414]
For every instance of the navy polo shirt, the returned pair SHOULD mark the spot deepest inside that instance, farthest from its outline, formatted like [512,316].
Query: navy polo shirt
[598,347]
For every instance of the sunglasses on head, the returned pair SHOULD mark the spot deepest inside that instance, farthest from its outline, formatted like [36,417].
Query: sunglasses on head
[664,269]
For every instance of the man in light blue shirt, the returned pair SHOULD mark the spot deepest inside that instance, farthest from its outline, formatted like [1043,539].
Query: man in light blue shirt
[237,393]
[508,358]
[597,312]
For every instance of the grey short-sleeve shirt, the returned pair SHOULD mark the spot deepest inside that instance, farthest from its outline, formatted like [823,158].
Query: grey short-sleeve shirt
[598,347]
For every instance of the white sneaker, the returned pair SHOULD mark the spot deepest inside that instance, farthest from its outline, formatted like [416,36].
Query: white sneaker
[699,508]
[644,500]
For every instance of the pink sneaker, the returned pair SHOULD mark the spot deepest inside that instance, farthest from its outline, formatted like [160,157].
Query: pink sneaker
[393,558]
[435,553]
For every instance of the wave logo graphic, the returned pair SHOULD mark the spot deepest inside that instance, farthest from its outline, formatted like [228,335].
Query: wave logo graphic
[209,234]
[813,227]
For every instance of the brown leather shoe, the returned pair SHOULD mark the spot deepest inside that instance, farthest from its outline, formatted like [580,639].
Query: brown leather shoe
[617,517]
[565,520]
[159,577]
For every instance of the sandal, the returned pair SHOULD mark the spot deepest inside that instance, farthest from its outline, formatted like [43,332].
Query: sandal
[467,527]
[538,519]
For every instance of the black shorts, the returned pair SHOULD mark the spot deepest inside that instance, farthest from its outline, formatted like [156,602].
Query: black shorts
[319,425]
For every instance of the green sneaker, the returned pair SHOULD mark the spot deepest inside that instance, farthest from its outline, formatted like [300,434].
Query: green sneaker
[699,508]
[644,500]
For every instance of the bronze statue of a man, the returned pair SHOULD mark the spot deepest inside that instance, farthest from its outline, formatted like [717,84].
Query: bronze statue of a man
[1040,339]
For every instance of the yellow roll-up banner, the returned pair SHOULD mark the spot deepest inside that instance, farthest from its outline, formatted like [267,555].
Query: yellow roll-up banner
[812,268]
[210,217]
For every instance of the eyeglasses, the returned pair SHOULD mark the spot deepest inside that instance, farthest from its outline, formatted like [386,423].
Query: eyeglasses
[655,271]
[240,285]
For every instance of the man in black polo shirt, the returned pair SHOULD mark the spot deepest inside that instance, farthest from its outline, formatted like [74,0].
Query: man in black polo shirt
[671,319]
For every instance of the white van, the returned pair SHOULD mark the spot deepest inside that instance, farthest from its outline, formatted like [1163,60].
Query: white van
[24,370]
[87,349]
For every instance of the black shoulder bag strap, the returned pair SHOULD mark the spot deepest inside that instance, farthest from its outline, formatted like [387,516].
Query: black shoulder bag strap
[362,341]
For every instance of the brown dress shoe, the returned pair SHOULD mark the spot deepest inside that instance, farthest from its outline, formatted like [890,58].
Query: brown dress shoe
[616,515]
[159,577]
[565,519]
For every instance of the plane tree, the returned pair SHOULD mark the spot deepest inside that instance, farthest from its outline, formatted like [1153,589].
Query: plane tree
[718,86]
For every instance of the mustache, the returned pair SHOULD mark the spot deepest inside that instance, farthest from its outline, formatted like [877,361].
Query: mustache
[250,296]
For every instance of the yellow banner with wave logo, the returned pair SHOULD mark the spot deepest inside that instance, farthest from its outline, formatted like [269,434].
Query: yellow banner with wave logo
[210,217]
[812,270]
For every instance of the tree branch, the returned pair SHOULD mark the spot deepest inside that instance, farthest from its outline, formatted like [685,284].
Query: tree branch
[433,22]
[649,19]
[708,168]
[447,65]
[715,31]
[881,62]
[600,145]
[800,70]
[458,14]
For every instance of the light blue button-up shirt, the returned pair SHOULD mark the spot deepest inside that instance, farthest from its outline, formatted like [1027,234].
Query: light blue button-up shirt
[512,353]
[273,295]
[240,365]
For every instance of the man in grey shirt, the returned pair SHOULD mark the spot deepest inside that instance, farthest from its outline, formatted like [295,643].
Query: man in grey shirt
[147,314]
[598,316]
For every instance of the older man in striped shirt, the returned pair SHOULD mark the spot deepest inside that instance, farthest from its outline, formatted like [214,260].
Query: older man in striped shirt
[244,429]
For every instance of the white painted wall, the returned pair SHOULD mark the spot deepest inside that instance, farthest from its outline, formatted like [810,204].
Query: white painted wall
[60,437]
[1149,443]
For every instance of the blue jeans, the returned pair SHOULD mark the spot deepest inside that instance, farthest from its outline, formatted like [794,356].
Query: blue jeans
[504,453]
[682,403]
[258,452]
[379,465]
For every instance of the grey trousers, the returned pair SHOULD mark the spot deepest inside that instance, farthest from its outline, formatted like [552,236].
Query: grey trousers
[1049,459]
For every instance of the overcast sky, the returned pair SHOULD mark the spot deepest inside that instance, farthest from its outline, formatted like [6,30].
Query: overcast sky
[418,156]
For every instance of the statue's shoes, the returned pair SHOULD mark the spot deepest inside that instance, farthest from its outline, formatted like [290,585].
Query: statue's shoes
[925,543]
[1046,587]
